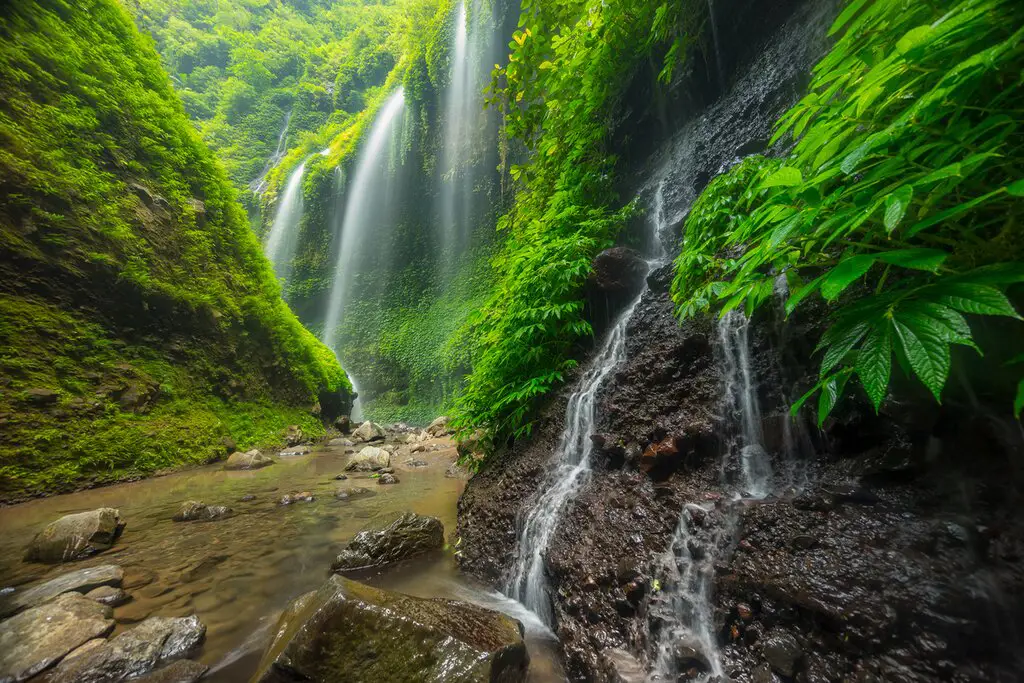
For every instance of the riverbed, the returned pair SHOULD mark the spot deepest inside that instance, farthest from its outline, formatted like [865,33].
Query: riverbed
[237,574]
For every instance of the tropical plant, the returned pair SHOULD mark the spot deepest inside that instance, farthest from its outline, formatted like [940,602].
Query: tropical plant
[900,203]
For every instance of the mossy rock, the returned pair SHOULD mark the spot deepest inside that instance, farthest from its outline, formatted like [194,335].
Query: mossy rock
[348,631]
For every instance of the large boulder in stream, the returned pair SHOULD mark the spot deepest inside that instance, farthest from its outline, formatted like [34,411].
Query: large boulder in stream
[439,427]
[77,536]
[251,460]
[408,536]
[155,642]
[37,638]
[369,432]
[370,459]
[81,581]
[348,631]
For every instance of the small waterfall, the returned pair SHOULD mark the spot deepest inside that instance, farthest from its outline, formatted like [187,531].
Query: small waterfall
[719,66]
[365,214]
[283,236]
[742,405]
[259,185]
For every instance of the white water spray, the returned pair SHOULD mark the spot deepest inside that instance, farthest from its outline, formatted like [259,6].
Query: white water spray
[367,199]
[283,236]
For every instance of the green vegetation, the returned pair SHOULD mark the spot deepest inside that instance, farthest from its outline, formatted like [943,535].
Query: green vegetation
[901,204]
[141,324]
[567,72]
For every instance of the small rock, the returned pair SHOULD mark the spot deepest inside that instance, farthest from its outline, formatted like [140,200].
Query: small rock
[247,498]
[744,612]
[341,443]
[416,463]
[360,491]
[180,671]
[293,436]
[369,459]
[251,460]
[77,536]
[386,479]
[295,451]
[782,651]
[34,640]
[108,595]
[623,667]
[196,511]
[341,477]
[81,581]
[803,542]
[303,497]
[439,427]
[418,448]
[688,655]
[387,470]
[406,537]
[456,471]
[41,396]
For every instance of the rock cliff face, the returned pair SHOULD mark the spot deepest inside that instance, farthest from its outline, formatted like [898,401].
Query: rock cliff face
[888,547]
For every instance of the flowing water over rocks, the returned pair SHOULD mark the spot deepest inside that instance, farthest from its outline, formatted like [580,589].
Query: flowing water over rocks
[236,574]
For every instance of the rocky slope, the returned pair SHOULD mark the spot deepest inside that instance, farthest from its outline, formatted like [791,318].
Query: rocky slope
[141,326]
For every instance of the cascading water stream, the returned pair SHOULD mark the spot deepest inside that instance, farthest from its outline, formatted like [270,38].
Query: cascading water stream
[259,185]
[363,216]
[282,238]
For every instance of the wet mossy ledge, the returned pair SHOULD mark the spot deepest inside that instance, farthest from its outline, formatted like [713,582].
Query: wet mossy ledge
[141,328]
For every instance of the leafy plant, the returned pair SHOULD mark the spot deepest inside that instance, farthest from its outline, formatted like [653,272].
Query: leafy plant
[900,204]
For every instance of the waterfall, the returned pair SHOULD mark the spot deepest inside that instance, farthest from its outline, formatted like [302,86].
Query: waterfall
[364,216]
[283,236]
[472,55]
[571,463]
[742,405]
[259,185]
[719,66]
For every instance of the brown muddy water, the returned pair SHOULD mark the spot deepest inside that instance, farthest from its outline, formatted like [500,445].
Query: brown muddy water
[237,574]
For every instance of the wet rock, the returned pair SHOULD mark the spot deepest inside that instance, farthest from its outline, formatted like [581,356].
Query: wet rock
[660,458]
[370,459]
[293,436]
[354,492]
[782,651]
[387,479]
[81,581]
[341,477]
[622,667]
[137,396]
[137,651]
[368,432]
[803,542]
[387,470]
[416,463]
[418,448]
[108,595]
[408,536]
[301,497]
[343,424]
[689,655]
[439,427]
[247,498]
[196,511]
[77,536]
[180,671]
[341,443]
[295,451]
[37,638]
[199,570]
[347,631]
[250,460]
[41,396]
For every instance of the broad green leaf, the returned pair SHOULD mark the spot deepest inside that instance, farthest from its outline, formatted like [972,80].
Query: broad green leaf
[941,174]
[837,351]
[831,390]
[874,362]
[846,15]
[917,259]
[802,293]
[927,352]
[787,176]
[896,205]
[1016,189]
[913,38]
[1018,403]
[977,299]
[848,271]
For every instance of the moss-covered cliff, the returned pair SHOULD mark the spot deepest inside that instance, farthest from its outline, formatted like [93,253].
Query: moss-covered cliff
[141,326]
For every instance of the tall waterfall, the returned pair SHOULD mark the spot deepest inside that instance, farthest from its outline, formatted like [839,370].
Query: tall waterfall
[366,213]
[571,463]
[283,236]
[259,185]
[465,131]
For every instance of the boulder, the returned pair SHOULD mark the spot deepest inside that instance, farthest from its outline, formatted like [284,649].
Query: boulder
[369,459]
[180,671]
[251,460]
[343,424]
[196,511]
[295,451]
[439,427]
[37,638]
[618,271]
[782,651]
[293,436]
[347,631]
[74,537]
[140,650]
[387,479]
[406,537]
[81,581]
[368,432]
[108,595]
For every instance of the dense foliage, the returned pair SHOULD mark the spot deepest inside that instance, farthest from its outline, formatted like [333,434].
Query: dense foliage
[141,323]
[569,65]
[900,205]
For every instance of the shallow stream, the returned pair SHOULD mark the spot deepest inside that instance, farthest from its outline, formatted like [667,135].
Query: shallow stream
[237,574]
